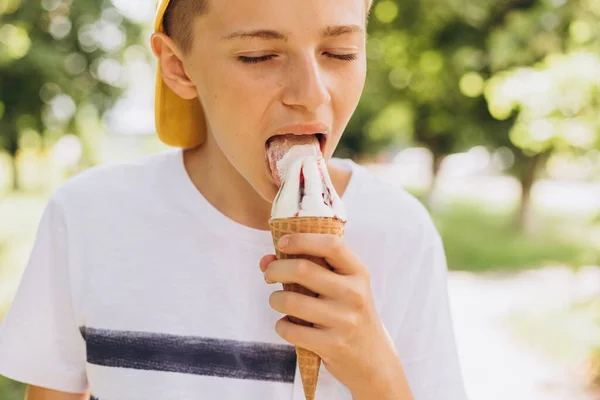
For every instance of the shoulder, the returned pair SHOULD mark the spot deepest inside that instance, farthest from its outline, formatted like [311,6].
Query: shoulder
[380,206]
[114,182]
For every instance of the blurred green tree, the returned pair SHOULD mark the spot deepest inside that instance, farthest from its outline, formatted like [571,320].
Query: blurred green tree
[428,59]
[60,69]
[544,61]
[434,66]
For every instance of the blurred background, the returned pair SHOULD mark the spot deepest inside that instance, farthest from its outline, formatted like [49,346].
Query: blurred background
[487,110]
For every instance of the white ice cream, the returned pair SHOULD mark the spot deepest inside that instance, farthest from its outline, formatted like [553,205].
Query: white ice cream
[295,152]
[314,196]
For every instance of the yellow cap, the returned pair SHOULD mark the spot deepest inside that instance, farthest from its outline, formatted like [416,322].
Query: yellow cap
[179,122]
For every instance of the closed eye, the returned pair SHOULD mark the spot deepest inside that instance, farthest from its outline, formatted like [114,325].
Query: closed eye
[256,60]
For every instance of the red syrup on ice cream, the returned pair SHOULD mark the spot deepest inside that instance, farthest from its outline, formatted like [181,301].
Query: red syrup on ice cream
[301,189]
[327,192]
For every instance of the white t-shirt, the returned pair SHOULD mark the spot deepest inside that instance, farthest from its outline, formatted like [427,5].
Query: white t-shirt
[138,288]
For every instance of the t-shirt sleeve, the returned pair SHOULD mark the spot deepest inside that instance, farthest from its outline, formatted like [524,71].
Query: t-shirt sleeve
[425,339]
[40,342]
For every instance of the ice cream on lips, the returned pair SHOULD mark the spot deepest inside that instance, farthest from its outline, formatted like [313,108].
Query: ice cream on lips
[283,150]
[305,189]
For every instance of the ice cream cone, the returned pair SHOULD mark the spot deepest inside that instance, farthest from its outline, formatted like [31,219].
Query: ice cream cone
[308,361]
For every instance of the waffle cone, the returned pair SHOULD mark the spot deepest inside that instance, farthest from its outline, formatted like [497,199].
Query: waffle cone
[308,362]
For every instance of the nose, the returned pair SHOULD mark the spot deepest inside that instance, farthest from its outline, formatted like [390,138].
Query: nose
[306,85]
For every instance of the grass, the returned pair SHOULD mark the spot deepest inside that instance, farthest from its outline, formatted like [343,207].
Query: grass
[10,390]
[484,240]
[567,335]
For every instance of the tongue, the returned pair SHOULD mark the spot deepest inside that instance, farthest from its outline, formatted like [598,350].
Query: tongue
[283,150]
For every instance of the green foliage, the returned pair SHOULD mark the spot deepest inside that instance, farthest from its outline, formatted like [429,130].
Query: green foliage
[431,56]
[58,60]
[566,334]
[558,101]
[479,240]
[466,72]
[11,390]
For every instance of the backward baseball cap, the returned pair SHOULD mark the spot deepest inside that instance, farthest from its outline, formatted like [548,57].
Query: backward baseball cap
[179,122]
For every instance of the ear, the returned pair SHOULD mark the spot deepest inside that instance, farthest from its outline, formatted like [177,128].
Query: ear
[172,69]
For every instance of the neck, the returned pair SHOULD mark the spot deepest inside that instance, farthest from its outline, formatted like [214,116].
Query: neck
[223,186]
[229,192]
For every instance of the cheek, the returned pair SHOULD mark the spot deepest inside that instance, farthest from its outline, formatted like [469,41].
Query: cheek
[354,84]
[234,104]
[241,103]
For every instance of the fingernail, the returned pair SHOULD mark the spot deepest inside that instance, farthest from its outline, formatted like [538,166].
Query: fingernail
[283,242]
[267,279]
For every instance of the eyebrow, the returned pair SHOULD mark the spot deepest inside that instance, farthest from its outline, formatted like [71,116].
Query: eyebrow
[265,34]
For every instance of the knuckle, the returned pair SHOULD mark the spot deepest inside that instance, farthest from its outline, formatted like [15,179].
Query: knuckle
[366,274]
[353,296]
[302,269]
[290,303]
[335,243]
[363,272]
[351,322]
[340,345]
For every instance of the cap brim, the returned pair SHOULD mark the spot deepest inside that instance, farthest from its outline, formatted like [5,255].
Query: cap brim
[179,122]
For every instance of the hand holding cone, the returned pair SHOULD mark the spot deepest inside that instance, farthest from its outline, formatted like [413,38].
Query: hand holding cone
[306,203]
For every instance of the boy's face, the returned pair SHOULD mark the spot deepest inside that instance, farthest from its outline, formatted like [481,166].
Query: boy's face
[252,86]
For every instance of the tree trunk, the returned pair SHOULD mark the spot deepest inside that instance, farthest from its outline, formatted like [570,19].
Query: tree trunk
[527,178]
[433,144]
[15,174]
[12,148]
[435,170]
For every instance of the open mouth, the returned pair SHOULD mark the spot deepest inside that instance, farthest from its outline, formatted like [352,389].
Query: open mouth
[277,146]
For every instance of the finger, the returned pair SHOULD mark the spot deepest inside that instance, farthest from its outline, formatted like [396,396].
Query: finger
[307,337]
[265,261]
[312,276]
[315,310]
[329,247]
